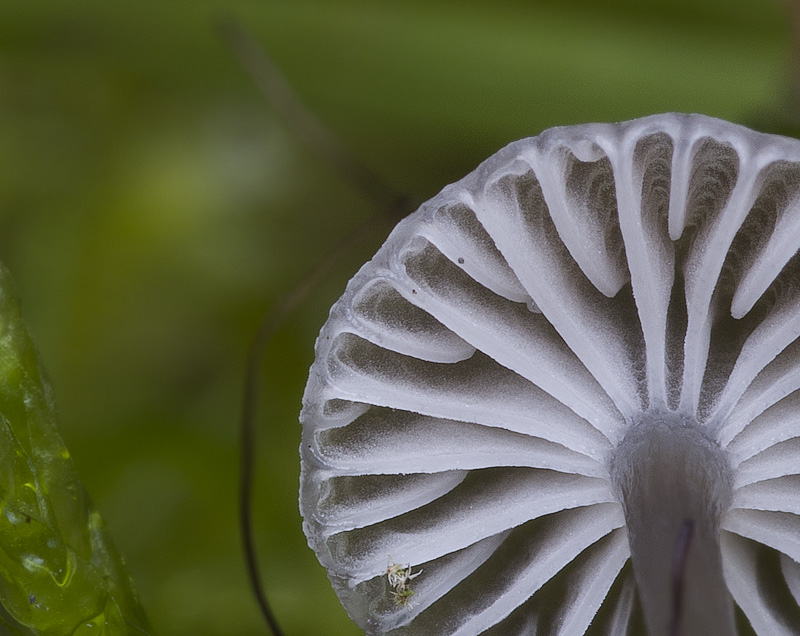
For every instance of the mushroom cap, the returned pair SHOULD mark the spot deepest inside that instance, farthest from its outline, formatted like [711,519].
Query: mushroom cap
[469,449]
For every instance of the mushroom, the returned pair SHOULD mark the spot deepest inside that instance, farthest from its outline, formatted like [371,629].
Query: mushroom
[564,396]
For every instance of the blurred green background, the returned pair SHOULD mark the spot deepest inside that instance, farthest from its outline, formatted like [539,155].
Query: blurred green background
[152,208]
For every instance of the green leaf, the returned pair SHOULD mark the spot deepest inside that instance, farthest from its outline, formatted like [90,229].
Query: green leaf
[59,571]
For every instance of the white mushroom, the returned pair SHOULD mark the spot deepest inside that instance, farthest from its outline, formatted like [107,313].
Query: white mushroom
[565,394]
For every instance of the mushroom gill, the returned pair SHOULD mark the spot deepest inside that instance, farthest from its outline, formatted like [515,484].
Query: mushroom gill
[564,396]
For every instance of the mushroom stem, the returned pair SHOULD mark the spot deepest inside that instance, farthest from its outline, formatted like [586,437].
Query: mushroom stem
[674,484]
[679,555]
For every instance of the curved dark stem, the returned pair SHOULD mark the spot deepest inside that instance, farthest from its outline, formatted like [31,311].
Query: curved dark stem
[305,124]
[272,321]
[679,557]
[391,206]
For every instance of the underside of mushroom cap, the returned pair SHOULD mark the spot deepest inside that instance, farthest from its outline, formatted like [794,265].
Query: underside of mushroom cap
[564,396]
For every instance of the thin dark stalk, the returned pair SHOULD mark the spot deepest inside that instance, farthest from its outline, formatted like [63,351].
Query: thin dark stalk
[272,321]
[679,558]
[390,206]
[305,124]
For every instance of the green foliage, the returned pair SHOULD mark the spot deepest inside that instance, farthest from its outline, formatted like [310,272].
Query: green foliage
[60,574]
